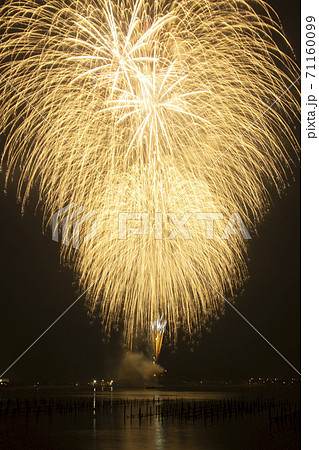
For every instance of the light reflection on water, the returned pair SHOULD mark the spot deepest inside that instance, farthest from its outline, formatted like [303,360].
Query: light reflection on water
[101,422]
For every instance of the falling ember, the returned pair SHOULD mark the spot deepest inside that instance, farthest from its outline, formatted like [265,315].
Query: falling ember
[120,106]
[157,332]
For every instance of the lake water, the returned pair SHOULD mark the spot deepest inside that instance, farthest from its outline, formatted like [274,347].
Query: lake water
[84,419]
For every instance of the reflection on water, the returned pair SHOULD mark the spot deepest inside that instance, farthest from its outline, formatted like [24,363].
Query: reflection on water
[159,436]
[160,420]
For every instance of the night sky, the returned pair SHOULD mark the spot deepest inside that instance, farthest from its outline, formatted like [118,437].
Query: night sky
[35,289]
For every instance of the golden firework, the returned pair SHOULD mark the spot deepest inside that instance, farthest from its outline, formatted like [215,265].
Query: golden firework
[135,106]
[157,332]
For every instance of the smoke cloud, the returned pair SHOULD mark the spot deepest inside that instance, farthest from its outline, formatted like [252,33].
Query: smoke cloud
[136,369]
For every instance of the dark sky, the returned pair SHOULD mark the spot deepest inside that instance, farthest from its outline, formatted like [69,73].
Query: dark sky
[35,289]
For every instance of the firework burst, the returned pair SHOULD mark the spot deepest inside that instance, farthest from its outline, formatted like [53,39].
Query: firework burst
[136,106]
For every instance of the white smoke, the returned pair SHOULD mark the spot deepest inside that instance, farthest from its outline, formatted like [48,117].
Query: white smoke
[136,369]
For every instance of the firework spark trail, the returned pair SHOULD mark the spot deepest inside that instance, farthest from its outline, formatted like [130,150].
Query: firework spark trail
[151,94]
[157,332]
